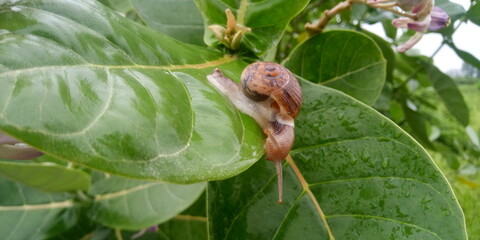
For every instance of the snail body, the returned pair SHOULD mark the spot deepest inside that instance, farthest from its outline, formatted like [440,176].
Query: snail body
[271,95]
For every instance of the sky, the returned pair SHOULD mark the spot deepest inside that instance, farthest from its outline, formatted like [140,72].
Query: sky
[467,38]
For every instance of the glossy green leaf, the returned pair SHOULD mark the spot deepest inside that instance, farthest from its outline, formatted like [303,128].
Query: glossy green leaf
[119,5]
[48,177]
[473,14]
[83,84]
[191,224]
[387,53]
[180,19]
[345,60]
[133,204]
[267,26]
[26,213]
[449,93]
[353,173]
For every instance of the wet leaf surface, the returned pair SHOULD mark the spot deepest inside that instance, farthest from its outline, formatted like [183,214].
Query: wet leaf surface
[345,60]
[353,173]
[79,85]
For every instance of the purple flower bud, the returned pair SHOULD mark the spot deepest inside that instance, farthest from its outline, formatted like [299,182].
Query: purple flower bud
[440,19]
[418,26]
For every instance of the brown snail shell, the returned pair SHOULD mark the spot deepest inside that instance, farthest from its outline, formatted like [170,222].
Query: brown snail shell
[263,80]
[271,95]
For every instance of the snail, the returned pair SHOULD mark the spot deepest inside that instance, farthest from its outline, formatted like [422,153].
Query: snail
[270,94]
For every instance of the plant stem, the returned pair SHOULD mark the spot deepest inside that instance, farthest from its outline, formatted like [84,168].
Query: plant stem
[326,17]
[118,234]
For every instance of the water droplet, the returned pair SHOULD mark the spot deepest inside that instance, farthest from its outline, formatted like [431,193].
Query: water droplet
[365,156]
[362,115]
[398,134]
[385,163]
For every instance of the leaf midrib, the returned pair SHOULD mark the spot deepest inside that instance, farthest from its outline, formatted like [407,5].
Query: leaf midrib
[122,193]
[383,219]
[225,59]
[306,188]
[340,77]
[44,206]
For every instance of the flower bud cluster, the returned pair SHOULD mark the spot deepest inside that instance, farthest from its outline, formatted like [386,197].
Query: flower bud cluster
[425,17]
[232,34]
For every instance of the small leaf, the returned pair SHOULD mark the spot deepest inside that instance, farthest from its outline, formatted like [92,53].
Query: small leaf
[466,56]
[454,10]
[48,177]
[26,213]
[473,136]
[180,19]
[83,84]
[133,204]
[267,19]
[390,30]
[353,175]
[449,93]
[473,14]
[417,123]
[345,60]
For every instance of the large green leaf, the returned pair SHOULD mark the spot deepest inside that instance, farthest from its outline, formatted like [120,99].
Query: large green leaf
[26,213]
[46,176]
[83,84]
[267,19]
[353,173]
[180,19]
[133,204]
[387,53]
[344,60]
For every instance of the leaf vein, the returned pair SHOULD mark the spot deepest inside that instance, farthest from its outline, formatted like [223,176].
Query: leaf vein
[352,72]
[384,219]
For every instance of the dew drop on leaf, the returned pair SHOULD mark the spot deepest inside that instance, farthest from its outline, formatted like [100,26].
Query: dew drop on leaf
[385,163]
